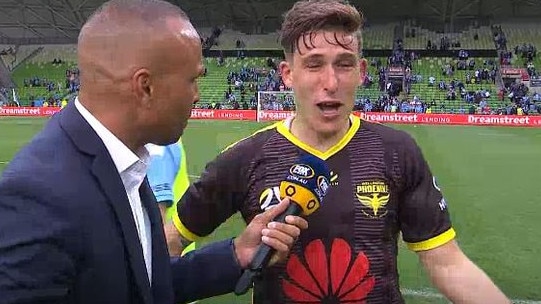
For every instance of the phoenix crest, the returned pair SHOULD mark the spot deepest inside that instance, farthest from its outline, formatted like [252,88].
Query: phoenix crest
[374,202]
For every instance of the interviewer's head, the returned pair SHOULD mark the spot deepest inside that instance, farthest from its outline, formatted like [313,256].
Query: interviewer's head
[139,62]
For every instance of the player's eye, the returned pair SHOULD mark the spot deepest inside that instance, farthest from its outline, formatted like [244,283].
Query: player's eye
[346,64]
[313,64]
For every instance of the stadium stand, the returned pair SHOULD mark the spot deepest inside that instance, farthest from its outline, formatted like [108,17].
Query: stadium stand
[471,38]
[375,36]
[404,68]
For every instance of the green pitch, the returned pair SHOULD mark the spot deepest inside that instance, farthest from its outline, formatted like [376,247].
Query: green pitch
[491,178]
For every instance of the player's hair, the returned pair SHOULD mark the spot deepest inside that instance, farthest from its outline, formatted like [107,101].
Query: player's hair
[309,16]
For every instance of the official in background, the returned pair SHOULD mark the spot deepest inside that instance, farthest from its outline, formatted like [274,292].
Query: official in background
[96,236]
[169,180]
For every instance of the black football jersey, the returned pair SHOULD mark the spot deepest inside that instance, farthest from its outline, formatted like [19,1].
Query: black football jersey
[381,186]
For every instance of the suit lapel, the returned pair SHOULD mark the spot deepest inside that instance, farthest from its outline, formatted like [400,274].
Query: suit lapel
[162,289]
[103,168]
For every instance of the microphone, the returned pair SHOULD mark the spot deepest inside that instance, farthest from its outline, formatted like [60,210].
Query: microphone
[306,184]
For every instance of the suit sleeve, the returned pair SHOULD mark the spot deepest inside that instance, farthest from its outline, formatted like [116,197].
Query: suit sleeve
[423,214]
[35,265]
[216,196]
[210,271]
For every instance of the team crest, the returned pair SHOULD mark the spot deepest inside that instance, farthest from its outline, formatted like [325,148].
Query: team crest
[373,197]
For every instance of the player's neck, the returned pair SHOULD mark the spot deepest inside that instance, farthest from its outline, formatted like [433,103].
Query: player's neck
[317,140]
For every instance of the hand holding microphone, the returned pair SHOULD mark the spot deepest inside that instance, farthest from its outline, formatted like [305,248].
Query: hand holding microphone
[264,230]
[306,184]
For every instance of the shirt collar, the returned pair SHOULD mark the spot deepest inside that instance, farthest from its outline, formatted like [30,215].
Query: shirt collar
[288,121]
[122,156]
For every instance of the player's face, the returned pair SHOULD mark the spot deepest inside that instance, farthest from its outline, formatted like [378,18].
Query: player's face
[176,90]
[324,76]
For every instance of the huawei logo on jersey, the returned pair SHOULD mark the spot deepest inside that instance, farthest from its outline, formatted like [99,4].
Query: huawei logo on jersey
[328,275]
[373,197]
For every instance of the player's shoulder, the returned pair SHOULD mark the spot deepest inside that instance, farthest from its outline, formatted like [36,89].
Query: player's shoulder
[388,135]
[241,153]
[253,142]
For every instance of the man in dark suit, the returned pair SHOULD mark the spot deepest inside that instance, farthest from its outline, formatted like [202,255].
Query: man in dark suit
[78,221]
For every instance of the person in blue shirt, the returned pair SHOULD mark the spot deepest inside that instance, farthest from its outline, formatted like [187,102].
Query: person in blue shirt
[168,178]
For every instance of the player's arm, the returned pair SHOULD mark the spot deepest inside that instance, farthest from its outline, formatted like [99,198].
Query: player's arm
[458,278]
[163,208]
[161,175]
[426,228]
[217,195]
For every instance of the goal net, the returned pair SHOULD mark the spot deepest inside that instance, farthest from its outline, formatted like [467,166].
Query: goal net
[275,105]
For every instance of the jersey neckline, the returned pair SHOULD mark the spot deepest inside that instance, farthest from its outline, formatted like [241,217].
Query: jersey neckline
[284,129]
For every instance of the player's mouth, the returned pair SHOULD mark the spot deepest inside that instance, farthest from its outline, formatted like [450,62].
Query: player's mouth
[329,108]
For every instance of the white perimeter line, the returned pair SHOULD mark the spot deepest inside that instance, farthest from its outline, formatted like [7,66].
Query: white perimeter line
[435,295]
[3,162]
[496,134]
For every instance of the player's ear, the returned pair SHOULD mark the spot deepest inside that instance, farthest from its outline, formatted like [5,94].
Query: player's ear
[285,71]
[363,67]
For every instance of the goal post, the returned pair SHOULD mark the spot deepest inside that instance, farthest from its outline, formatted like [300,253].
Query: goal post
[275,105]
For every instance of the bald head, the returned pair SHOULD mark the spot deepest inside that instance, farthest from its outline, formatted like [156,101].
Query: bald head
[125,35]
[139,61]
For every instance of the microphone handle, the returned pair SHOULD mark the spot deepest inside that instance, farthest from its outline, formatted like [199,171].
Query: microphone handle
[263,255]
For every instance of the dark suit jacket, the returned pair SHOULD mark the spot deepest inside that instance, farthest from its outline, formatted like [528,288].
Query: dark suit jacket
[67,234]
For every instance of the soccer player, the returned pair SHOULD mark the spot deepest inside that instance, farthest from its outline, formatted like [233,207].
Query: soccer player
[382,186]
[168,178]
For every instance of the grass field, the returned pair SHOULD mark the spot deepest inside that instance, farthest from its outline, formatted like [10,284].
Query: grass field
[491,178]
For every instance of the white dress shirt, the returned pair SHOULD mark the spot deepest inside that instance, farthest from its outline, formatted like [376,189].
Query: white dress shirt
[132,169]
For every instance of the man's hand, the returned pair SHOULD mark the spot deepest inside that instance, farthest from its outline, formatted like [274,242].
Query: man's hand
[278,236]
[175,242]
